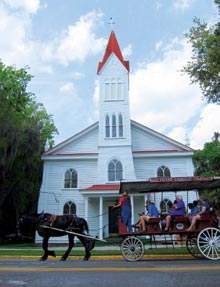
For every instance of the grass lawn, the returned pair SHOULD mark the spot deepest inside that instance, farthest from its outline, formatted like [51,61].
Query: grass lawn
[29,249]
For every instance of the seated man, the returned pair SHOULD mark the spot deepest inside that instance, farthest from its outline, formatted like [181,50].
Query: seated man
[205,210]
[178,210]
[152,212]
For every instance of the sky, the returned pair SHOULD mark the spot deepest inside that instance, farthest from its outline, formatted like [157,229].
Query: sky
[63,41]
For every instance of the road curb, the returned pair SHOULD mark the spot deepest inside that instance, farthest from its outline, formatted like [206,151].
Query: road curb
[100,257]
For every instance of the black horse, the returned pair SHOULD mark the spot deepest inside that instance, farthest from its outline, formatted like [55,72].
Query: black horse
[69,223]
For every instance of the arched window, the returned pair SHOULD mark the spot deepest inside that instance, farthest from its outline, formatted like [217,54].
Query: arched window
[114,170]
[165,205]
[69,208]
[163,171]
[70,178]
[107,127]
[120,126]
[114,126]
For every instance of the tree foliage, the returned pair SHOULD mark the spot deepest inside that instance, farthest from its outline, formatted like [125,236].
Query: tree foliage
[207,163]
[25,128]
[204,67]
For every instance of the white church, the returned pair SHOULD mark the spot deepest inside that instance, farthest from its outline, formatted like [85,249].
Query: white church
[82,174]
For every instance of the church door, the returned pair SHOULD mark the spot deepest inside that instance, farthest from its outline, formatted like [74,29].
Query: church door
[113,220]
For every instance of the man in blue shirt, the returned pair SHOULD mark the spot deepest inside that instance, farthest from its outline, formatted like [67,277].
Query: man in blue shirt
[178,210]
[152,212]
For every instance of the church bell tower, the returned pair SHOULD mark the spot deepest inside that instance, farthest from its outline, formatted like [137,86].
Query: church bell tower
[114,112]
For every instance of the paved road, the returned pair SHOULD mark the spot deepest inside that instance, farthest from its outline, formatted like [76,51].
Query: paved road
[99,273]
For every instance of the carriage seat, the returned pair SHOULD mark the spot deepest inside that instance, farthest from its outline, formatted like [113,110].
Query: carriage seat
[153,224]
[180,223]
[206,221]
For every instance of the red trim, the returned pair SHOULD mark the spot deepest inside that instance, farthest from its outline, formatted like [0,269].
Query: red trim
[113,47]
[71,154]
[165,150]
[103,187]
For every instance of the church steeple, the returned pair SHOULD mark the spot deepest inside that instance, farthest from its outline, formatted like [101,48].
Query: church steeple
[113,47]
[114,143]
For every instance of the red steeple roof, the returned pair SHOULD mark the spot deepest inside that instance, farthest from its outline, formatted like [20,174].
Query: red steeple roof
[113,47]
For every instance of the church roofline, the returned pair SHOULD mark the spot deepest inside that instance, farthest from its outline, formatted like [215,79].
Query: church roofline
[113,47]
[181,147]
[74,137]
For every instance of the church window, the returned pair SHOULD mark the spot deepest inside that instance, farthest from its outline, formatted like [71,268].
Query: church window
[120,126]
[114,126]
[69,208]
[120,91]
[70,178]
[113,89]
[107,91]
[163,171]
[165,205]
[114,170]
[107,127]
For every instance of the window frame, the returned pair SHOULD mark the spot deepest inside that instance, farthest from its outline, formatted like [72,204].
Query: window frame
[71,182]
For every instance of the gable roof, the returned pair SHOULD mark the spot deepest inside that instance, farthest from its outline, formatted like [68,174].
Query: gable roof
[155,144]
[58,149]
[164,143]
[113,47]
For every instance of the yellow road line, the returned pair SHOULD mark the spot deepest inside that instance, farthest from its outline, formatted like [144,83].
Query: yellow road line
[78,269]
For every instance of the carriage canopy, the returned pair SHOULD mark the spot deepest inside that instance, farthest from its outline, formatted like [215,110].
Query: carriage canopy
[160,184]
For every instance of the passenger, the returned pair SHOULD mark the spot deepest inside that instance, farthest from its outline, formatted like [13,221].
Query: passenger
[152,212]
[178,210]
[125,204]
[169,211]
[194,209]
[205,210]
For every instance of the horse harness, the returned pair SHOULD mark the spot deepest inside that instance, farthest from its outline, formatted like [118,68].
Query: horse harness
[53,218]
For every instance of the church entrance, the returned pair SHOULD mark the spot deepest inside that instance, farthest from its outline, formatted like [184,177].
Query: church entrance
[113,220]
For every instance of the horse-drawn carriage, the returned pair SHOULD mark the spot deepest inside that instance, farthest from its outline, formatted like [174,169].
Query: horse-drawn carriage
[204,242]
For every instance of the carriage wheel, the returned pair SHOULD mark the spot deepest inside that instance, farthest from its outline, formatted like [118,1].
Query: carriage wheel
[192,247]
[132,249]
[208,242]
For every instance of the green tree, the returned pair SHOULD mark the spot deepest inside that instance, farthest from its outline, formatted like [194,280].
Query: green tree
[204,67]
[25,128]
[207,163]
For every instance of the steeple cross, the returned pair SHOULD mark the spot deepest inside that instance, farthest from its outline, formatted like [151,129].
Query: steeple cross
[111,24]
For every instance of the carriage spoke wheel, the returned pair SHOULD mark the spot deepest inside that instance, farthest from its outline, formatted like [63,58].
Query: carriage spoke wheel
[132,249]
[208,242]
[192,247]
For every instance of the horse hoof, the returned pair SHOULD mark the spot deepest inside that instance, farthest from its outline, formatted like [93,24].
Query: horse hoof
[63,259]
[42,259]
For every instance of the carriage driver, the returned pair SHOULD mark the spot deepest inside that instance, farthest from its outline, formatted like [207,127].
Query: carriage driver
[152,212]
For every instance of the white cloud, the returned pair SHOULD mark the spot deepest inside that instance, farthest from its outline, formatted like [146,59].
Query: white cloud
[127,51]
[68,87]
[75,44]
[182,4]
[163,99]
[158,45]
[179,134]
[78,41]
[29,6]
[206,126]
[160,96]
